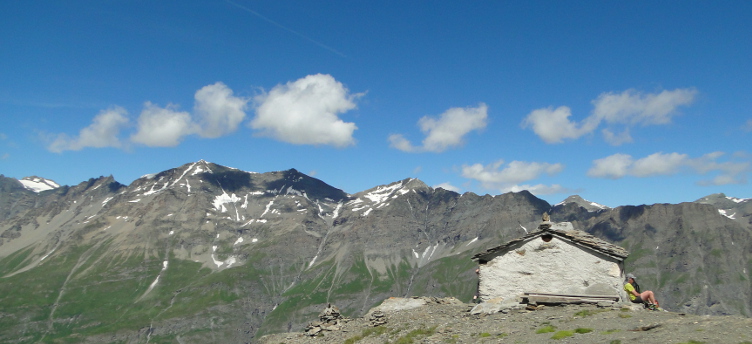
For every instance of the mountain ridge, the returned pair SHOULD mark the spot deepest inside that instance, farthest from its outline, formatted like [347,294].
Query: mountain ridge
[263,251]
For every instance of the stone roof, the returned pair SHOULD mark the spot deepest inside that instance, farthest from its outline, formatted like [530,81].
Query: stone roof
[563,230]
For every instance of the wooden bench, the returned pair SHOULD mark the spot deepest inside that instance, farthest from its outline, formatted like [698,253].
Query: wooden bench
[547,298]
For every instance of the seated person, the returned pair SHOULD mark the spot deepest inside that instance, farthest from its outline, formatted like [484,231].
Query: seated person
[633,291]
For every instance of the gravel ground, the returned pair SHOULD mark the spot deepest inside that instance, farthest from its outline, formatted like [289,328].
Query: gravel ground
[451,322]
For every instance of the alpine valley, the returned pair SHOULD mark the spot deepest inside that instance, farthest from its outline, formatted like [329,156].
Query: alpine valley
[205,253]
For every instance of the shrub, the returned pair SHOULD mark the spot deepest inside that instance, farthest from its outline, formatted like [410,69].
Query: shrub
[562,334]
[546,329]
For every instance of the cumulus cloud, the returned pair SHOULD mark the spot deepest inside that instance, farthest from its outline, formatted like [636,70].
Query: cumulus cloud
[498,176]
[628,108]
[553,125]
[446,131]
[307,111]
[102,132]
[400,142]
[302,112]
[658,164]
[613,167]
[621,165]
[633,107]
[218,112]
[163,127]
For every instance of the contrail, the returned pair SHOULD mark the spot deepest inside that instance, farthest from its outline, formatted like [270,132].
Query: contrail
[285,28]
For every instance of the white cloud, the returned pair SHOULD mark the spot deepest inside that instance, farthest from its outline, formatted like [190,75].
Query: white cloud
[493,176]
[451,126]
[102,132]
[446,131]
[163,127]
[400,142]
[730,172]
[632,107]
[306,111]
[658,164]
[747,126]
[620,165]
[628,108]
[447,186]
[553,125]
[613,167]
[218,112]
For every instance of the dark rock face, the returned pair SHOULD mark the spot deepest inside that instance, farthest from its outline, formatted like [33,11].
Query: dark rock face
[209,253]
[14,198]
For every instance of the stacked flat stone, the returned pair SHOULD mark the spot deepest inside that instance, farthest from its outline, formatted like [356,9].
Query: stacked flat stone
[377,318]
[329,320]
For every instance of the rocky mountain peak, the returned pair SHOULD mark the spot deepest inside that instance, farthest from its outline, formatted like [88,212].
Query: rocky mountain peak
[737,209]
[722,201]
[588,205]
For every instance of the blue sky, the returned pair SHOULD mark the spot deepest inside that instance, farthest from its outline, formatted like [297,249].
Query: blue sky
[620,102]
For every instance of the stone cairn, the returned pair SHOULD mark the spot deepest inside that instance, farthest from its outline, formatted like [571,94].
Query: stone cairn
[377,318]
[329,320]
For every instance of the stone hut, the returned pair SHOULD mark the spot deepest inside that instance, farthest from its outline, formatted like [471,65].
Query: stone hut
[555,264]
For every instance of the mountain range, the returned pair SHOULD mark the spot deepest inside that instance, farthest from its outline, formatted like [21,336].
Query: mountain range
[208,253]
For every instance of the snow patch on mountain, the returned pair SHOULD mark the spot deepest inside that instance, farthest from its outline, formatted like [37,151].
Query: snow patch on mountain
[183,175]
[224,198]
[725,213]
[229,261]
[203,168]
[380,196]
[291,190]
[382,193]
[38,184]
[156,280]
[48,254]
[152,191]
[267,208]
